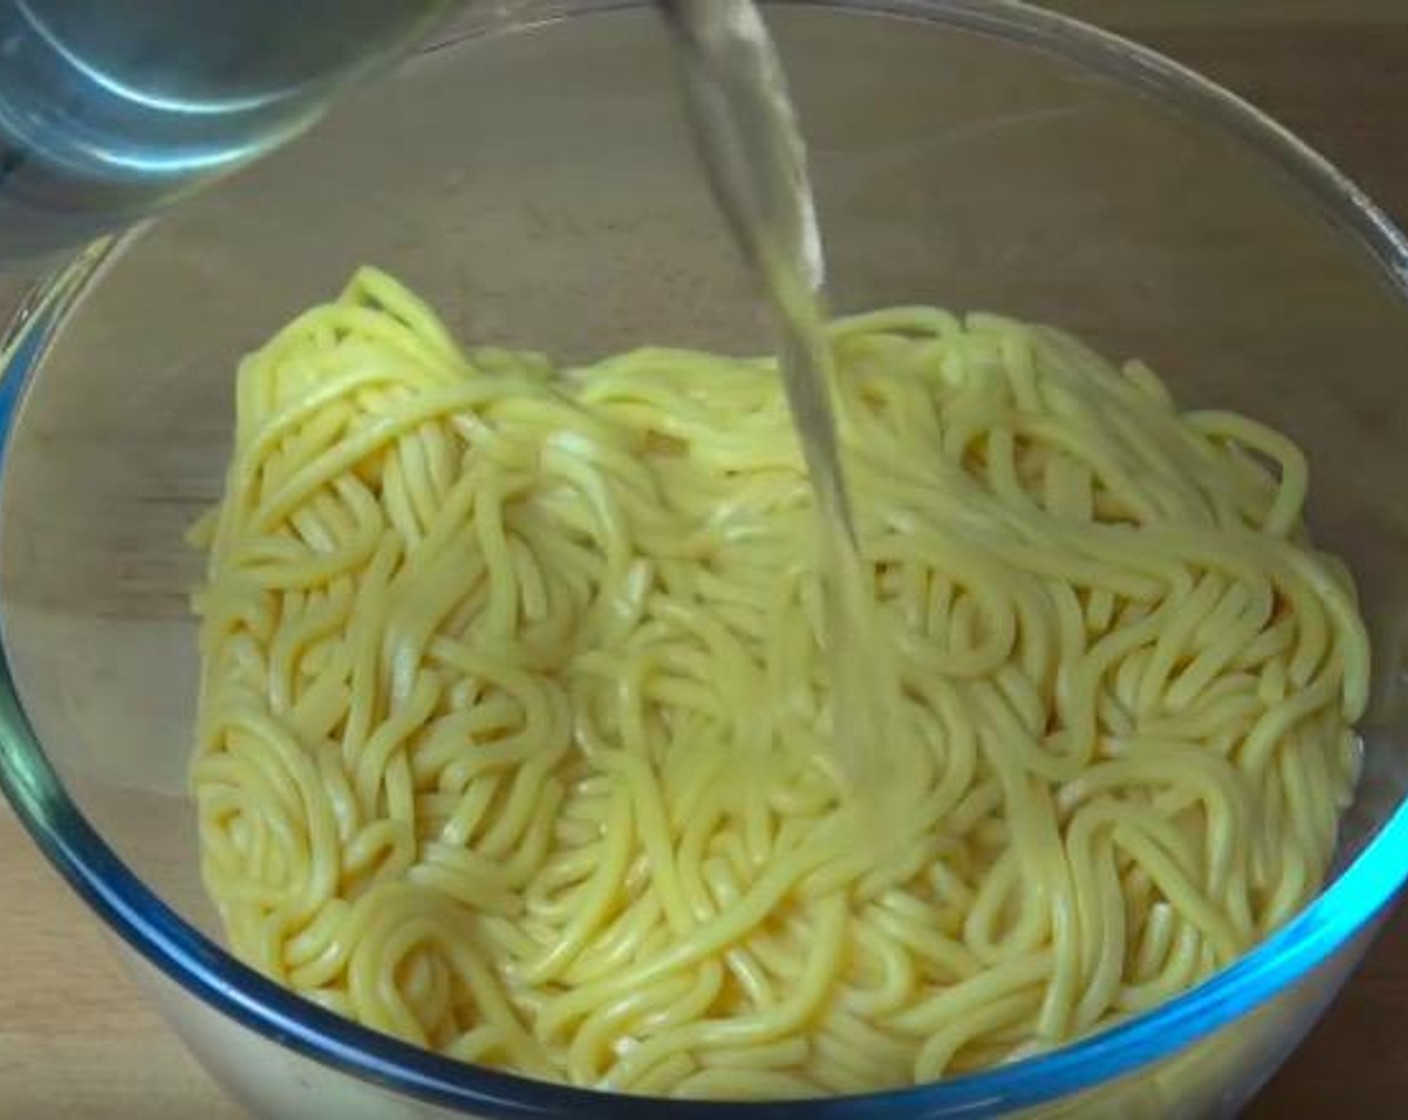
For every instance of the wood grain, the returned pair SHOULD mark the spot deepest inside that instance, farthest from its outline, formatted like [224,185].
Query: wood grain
[76,1038]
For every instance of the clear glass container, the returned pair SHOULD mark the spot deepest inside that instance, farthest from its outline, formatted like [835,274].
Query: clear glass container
[538,187]
[109,114]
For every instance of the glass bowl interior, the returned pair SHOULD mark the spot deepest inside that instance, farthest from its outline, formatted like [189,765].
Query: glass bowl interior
[538,188]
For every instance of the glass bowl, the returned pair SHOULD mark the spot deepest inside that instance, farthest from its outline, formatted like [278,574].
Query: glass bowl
[538,187]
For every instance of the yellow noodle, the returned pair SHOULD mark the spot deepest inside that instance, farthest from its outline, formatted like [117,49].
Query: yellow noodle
[515,715]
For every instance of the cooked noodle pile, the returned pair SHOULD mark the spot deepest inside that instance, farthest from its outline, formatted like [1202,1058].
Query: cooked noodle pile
[514,733]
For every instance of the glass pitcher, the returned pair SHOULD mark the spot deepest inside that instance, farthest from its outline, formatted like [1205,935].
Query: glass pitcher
[109,112]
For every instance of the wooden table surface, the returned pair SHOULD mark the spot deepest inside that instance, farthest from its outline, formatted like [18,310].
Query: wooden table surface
[78,1041]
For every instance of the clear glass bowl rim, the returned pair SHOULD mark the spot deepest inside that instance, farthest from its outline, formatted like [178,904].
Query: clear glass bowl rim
[208,973]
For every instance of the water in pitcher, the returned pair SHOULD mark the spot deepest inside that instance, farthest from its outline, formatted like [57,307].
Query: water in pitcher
[110,111]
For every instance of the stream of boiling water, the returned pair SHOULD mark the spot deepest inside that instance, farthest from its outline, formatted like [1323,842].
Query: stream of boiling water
[736,95]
